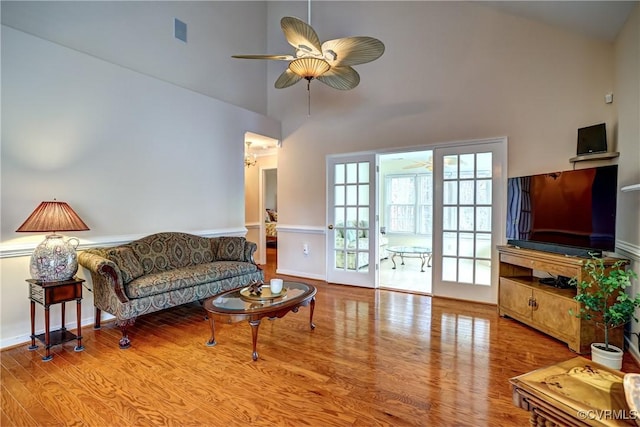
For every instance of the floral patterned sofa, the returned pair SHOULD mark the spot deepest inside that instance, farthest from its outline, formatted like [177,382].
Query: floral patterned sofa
[165,270]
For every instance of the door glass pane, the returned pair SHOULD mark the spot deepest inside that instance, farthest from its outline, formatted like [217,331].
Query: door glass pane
[352,173]
[352,217]
[467,166]
[450,192]
[483,192]
[449,269]
[339,195]
[363,244]
[484,218]
[363,194]
[363,172]
[465,272]
[483,245]
[483,272]
[339,216]
[450,218]
[466,192]
[466,245]
[363,261]
[484,162]
[450,243]
[450,167]
[339,174]
[467,218]
[363,214]
[352,194]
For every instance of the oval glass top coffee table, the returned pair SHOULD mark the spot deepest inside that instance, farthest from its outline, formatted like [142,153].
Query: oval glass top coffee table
[238,304]
[411,252]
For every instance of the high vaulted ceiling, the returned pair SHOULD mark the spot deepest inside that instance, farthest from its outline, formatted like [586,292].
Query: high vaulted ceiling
[598,19]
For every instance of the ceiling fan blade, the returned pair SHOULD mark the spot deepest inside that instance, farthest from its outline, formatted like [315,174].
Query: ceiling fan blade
[274,57]
[301,36]
[286,79]
[342,78]
[416,165]
[350,51]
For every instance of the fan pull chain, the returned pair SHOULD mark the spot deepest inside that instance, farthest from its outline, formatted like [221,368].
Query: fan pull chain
[308,98]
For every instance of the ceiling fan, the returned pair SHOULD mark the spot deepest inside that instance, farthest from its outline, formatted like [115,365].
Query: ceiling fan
[329,62]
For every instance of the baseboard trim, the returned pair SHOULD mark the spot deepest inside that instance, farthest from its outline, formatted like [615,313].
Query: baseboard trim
[633,350]
[25,339]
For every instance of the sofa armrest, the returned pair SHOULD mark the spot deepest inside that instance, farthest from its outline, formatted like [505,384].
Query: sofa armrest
[250,249]
[104,273]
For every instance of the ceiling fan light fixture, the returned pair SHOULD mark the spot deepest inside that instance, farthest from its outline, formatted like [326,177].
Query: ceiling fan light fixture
[309,68]
[329,62]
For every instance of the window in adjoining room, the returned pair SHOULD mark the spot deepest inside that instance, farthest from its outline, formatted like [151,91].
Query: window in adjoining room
[409,203]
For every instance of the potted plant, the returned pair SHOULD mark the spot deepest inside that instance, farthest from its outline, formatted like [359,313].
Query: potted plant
[604,300]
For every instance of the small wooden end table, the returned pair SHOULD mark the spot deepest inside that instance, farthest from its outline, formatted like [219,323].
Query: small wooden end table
[576,392]
[232,306]
[46,294]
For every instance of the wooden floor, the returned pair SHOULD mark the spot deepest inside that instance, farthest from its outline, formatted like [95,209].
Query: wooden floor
[376,358]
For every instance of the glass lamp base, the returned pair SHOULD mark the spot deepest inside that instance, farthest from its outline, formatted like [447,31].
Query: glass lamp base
[54,259]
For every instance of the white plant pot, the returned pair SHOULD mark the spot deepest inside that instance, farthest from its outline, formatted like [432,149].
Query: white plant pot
[611,358]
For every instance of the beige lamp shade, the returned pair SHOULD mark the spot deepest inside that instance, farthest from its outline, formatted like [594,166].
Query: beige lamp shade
[54,259]
[53,216]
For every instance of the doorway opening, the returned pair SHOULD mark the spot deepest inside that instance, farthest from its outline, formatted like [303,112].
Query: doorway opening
[406,221]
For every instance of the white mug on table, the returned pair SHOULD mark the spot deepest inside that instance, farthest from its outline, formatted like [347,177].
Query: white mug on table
[276,286]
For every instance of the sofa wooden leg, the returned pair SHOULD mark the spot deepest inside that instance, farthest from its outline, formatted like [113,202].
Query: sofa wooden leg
[125,342]
[96,321]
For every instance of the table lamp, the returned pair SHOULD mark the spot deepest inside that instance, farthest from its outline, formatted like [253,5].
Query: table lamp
[54,259]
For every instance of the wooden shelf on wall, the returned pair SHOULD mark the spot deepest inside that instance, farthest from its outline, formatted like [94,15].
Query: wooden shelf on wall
[596,156]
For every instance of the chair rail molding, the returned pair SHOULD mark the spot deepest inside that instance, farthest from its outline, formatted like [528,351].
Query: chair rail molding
[13,250]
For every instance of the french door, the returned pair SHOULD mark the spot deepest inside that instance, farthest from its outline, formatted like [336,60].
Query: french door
[468,219]
[352,253]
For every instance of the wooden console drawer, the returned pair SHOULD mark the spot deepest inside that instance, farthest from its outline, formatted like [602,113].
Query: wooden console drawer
[542,265]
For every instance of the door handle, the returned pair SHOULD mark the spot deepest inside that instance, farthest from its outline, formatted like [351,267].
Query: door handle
[330,226]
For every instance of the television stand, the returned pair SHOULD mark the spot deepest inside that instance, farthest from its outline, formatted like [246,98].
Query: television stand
[546,308]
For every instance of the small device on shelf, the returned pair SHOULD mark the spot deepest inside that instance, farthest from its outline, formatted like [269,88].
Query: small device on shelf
[561,282]
[592,139]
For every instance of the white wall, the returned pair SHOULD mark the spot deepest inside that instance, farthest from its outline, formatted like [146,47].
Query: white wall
[627,96]
[130,153]
[139,35]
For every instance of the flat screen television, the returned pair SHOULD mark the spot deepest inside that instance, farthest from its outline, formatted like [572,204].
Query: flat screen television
[592,139]
[569,212]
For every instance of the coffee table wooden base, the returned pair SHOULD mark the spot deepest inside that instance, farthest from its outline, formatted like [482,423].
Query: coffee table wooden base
[254,317]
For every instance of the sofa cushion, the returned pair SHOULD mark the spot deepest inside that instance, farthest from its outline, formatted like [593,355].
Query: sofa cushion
[130,267]
[230,249]
[159,283]
[166,251]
